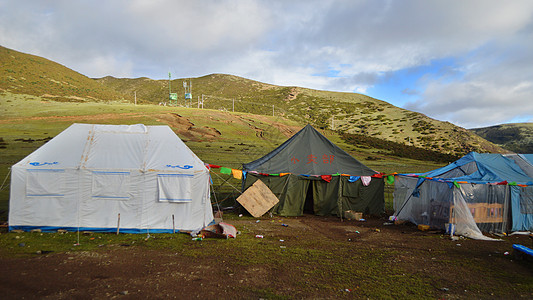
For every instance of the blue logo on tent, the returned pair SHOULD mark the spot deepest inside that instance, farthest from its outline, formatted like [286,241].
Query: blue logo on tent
[38,164]
[184,167]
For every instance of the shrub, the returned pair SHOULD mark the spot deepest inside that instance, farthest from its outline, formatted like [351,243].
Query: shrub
[397,149]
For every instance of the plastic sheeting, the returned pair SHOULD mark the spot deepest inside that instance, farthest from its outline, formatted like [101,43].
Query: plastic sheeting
[438,205]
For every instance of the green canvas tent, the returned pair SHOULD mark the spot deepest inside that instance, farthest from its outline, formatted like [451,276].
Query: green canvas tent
[308,173]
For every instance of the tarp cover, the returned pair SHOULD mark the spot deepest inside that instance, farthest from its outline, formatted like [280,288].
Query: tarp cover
[476,193]
[314,166]
[89,174]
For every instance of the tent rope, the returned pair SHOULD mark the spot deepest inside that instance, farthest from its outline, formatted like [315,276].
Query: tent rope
[5,179]
[215,196]
[226,181]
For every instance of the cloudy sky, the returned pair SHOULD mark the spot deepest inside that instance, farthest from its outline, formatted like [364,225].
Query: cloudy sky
[467,62]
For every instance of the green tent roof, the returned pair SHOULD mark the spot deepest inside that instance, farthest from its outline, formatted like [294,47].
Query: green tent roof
[308,152]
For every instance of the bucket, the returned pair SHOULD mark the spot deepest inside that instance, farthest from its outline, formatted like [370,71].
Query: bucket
[450,228]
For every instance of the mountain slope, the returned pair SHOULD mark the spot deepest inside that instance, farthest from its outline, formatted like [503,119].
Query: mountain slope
[343,112]
[516,137]
[33,75]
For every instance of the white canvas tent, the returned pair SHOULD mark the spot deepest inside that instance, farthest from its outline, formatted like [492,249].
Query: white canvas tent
[89,174]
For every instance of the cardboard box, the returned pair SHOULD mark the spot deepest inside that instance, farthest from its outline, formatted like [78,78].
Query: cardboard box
[258,199]
[423,227]
[353,215]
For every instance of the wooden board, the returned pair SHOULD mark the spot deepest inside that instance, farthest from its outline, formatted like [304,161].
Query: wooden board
[258,199]
[483,212]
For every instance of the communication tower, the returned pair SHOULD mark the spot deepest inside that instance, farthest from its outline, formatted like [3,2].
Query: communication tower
[172,97]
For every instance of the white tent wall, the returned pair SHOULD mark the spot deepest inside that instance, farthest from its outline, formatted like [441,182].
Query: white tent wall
[35,205]
[158,213]
[89,174]
[99,207]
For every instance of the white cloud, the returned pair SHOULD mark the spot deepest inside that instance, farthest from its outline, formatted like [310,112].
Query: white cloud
[475,104]
[496,87]
[329,44]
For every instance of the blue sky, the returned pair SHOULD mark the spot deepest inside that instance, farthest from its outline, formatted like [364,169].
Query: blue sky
[467,62]
[406,85]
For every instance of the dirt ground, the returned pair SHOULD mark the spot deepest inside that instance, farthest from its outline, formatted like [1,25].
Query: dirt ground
[127,271]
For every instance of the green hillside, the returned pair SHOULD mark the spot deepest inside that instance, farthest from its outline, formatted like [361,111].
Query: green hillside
[33,75]
[516,137]
[343,112]
[348,113]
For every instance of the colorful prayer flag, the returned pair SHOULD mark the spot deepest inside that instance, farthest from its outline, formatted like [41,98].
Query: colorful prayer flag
[237,174]
[224,170]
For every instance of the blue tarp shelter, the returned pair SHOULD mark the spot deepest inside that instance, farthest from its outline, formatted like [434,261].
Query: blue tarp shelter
[478,192]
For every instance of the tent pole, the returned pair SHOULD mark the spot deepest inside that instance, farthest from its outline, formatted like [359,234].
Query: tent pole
[118,223]
[408,199]
[173,226]
[400,210]
[339,200]
[78,210]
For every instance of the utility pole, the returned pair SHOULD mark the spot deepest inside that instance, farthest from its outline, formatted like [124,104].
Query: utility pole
[135,93]
[188,92]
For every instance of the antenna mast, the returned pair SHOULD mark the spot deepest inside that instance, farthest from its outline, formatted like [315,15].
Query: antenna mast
[172,97]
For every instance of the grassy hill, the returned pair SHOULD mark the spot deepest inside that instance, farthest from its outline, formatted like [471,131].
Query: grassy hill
[33,75]
[344,112]
[348,113]
[516,137]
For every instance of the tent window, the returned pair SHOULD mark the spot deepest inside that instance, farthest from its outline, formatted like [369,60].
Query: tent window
[174,187]
[45,183]
[526,200]
[110,185]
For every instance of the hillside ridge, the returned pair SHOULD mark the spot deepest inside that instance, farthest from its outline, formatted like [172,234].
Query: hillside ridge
[516,137]
[343,112]
[22,73]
